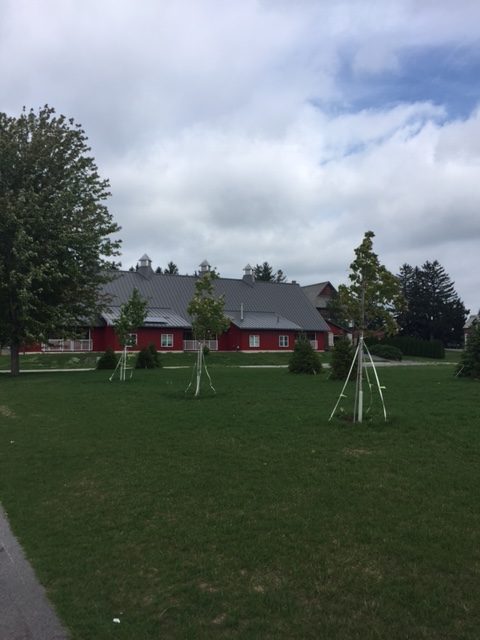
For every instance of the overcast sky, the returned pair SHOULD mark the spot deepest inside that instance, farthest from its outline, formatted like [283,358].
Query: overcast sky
[249,130]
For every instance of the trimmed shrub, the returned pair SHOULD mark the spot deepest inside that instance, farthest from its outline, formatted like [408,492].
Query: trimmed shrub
[155,355]
[386,351]
[469,365]
[304,358]
[108,360]
[144,359]
[342,356]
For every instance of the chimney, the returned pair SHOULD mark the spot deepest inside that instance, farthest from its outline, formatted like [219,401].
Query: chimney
[248,275]
[145,267]
[241,311]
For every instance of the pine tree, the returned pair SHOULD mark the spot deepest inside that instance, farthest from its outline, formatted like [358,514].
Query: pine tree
[342,357]
[304,358]
[469,365]
[434,311]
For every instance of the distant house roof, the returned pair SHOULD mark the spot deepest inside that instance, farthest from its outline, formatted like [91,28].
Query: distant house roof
[471,321]
[320,293]
[266,304]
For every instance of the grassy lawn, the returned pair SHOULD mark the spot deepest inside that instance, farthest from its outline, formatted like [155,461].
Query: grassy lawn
[247,515]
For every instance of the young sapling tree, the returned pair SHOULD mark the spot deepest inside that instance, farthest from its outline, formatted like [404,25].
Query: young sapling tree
[208,319]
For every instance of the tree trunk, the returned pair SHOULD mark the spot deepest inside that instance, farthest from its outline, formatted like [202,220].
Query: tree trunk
[199,367]
[15,359]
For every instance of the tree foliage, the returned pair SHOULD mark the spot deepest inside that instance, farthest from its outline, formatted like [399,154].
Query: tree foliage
[304,358]
[206,309]
[171,269]
[54,229]
[342,357]
[469,365]
[373,296]
[132,316]
[434,310]
[265,273]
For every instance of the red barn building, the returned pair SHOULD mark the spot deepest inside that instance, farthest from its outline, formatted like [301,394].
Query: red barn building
[264,316]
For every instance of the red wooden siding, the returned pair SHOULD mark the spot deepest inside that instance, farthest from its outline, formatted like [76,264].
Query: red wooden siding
[104,337]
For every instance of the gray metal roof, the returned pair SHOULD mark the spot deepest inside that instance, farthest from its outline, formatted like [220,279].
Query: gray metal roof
[174,292]
[155,317]
[261,320]
[314,294]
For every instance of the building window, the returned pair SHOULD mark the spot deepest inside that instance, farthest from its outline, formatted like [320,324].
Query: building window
[167,340]
[132,340]
[253,341]
[283,341]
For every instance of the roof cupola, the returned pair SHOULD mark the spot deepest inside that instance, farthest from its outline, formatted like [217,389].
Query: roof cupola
[145,266]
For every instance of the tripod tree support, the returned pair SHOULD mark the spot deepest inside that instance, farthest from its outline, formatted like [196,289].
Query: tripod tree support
[362,368]
[371,301]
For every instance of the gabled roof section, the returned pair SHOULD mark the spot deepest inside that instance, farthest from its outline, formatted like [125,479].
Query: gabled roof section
[174,292]
[319,294]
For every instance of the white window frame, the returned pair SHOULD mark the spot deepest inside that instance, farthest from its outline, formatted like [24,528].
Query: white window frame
[166,341]
[285,340]
[254,341]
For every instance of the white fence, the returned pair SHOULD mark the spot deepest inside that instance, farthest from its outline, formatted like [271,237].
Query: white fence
[192,345]
[67,345]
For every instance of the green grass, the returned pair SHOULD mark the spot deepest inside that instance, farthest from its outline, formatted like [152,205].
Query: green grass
[38,361]
[247,515]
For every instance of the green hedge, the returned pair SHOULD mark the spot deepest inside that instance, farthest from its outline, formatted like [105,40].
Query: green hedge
[413,346]
[387,351]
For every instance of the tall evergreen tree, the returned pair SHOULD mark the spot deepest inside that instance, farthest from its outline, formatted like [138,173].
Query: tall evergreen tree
[171,269]
[264,272]
[434,310]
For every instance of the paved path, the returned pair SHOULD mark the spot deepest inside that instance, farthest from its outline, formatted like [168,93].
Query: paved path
[25,612]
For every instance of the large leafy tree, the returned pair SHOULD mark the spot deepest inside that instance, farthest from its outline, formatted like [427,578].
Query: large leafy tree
[54,228]
[434,309]
[374,294]
[264,272]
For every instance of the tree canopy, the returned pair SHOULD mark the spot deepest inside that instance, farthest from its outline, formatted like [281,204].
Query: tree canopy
[434,310]
[54,228]
[132,316]
[206,309]
[264,272]
[373,296]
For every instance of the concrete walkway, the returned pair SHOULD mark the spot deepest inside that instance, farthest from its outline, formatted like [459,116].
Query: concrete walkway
[25,612]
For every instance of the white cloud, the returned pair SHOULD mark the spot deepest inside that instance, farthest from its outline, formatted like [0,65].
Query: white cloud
[216,123]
